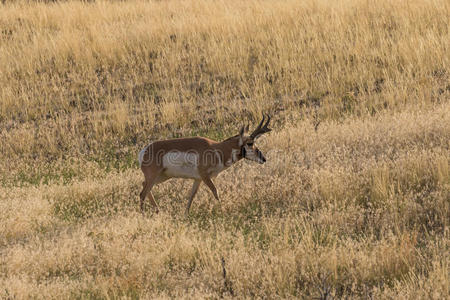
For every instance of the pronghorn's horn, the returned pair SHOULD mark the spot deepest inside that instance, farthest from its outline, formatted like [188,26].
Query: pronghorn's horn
[267,123]
[260,124]
[261,129]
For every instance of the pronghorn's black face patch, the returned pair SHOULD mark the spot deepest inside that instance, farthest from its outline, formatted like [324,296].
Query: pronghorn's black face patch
[250,152]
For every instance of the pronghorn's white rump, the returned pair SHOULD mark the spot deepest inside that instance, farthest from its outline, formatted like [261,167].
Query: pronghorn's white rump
[141,156]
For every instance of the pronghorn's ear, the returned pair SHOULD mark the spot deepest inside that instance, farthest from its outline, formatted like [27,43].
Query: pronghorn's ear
[247,127]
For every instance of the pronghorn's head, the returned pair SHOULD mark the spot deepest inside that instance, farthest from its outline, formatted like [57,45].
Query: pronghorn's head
[247,142]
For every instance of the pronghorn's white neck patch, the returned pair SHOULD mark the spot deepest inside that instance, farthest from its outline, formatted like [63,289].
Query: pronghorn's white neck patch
[234,157]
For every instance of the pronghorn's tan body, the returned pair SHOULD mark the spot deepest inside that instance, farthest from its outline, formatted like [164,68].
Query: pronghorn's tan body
[195,158]
[177,154]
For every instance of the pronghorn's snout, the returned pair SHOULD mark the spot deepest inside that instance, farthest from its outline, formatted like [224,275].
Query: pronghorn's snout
[261,158]
[253,154]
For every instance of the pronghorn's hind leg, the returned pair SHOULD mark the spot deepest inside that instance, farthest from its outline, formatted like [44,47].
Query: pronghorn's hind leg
[194,190]
[150,180]
[152,201]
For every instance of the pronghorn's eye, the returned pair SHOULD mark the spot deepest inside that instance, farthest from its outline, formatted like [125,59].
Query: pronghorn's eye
[250,144]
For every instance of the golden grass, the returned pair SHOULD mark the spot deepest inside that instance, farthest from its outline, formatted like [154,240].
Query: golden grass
[353,201]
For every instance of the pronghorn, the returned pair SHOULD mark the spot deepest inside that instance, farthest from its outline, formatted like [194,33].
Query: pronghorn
[197,158]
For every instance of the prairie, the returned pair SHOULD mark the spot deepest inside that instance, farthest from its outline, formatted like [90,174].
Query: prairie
[352,202]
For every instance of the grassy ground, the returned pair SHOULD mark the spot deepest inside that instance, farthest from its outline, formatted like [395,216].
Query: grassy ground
[353,201]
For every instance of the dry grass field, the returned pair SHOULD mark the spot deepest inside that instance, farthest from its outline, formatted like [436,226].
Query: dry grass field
[353,201]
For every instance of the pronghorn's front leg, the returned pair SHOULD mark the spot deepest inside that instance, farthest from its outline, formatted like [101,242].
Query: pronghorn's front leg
[194,190]
[211,186]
